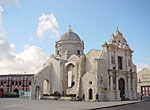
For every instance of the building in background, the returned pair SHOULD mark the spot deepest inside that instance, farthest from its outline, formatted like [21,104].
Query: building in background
[15,83]
[143,80]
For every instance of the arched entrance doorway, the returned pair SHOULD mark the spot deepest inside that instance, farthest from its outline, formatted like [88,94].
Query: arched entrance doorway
[1,92]
[17,92]
[122,87]
[46,87]
[37,92]
[90,94]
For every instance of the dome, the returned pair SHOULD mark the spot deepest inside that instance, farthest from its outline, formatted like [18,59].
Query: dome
[70,35]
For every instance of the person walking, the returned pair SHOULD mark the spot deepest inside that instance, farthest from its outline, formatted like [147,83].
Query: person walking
[83,97]
[141,96]
[124,95]
[97,97]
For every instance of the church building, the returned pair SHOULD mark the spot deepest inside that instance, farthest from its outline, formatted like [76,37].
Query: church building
[109,72]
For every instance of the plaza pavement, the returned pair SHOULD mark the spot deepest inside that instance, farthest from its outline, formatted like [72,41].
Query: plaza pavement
[27,104]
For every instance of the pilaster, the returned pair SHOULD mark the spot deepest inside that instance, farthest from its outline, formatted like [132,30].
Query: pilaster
[117,90]
[133,88]
[111,91]
[129,87]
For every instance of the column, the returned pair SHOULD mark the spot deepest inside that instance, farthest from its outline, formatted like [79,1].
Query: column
[129,87]
[111,92]
[133,84]
[133,88]
[111,82]
[129,83]
[117,90]
[117,83]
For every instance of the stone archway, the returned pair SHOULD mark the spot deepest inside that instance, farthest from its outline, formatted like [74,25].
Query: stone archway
[37,93]
[69,77]
[121,87]
[90,94]
[46,87]
[16,91]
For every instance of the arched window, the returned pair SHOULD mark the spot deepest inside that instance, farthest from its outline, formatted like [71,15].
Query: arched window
[70,75]
[46,87]
[119,43]
[30,83]
[78,52]
[120,62]
[19,82]
[12,83]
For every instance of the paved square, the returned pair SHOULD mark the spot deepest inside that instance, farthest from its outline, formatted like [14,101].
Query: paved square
[27,104]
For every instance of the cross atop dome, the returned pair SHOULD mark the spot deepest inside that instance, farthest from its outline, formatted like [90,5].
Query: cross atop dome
[69,26]
[70,30]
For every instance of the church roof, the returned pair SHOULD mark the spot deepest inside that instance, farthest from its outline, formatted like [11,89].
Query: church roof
[70,35]
[94,52]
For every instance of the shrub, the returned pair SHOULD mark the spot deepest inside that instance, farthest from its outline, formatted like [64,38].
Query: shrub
[10,94]
[56,93]
[70,95]
[45,94]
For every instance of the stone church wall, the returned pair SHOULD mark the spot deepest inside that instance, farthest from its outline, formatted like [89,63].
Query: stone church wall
[51,74]
[89,82]
[102,79]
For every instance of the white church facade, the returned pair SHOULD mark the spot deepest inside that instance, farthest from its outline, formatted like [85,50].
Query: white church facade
[109,72]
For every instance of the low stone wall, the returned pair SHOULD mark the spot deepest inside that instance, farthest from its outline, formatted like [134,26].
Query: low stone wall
[49,98]
[66,98]
[58,98]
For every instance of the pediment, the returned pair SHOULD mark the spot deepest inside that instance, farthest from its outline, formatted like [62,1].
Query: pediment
[73,57]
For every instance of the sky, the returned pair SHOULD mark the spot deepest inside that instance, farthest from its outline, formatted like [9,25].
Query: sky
[30,28]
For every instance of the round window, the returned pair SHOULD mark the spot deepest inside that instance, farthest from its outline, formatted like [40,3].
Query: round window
[90,82]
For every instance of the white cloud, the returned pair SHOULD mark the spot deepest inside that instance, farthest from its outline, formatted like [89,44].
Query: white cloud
[141,66]
[47,23]
[30,59]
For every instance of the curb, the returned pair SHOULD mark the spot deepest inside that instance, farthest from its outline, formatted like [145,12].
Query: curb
[116,105]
